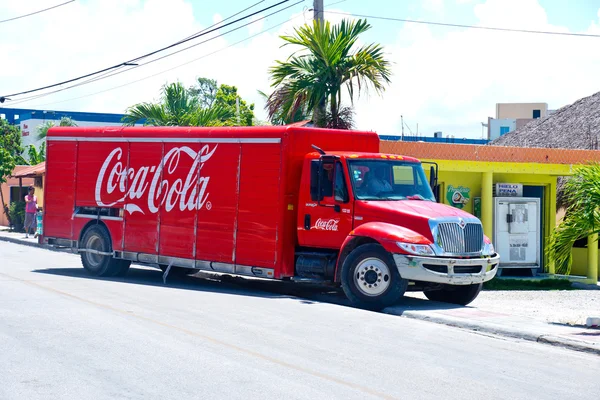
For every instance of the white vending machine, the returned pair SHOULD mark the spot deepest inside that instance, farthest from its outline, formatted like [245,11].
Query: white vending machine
[517,225]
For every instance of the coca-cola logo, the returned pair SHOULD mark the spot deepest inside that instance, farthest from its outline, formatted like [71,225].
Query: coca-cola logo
[155,183]
[326,224]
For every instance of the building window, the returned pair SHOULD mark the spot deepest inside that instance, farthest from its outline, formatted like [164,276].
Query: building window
[537,113]
[504,130]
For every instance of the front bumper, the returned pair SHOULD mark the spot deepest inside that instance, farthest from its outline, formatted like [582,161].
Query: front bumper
[453,271]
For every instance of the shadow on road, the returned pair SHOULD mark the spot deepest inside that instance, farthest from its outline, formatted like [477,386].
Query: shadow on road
[234,285]
[225,284]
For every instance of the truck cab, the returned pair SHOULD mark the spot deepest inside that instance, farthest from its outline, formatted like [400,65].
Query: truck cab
[375,219]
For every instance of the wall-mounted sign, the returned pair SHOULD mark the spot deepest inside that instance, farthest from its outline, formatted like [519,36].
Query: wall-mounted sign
[458,196]
[509,190]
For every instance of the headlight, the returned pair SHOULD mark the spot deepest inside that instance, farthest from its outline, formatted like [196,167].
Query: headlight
[416,249]
[488,249]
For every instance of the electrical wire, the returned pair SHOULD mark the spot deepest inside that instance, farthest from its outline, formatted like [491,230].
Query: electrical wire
[112,73]
[133,60]
[36,12]
[466,26]
[119,70]
[170,69]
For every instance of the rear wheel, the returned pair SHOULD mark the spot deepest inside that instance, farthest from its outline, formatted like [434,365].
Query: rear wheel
[97,240]
[455,294]
[370,278]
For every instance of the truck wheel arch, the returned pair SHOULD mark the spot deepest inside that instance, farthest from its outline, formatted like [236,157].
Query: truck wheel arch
[351,243]
[88,226]
[382,233]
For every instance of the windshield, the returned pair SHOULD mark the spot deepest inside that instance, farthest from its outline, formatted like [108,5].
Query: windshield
[389,180]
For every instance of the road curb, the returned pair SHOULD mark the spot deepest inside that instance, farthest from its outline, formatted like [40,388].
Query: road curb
[495,329]
[32,244]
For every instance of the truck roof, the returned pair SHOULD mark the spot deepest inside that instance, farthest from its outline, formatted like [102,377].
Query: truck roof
[159,132]
[365,155]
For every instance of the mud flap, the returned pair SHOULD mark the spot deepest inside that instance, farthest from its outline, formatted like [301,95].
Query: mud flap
[166,273]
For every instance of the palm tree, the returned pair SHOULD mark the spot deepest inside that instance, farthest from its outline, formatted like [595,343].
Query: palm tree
[582,218]
[36,156]
[177,108]
[279,118]
[312,79]
[43,129]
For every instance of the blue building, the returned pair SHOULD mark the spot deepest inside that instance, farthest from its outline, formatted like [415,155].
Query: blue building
[30,120]
[431,139]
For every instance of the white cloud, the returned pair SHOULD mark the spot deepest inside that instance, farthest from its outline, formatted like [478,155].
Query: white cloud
[435,6]
[449,81]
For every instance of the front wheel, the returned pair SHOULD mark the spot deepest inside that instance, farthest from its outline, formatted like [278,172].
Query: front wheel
[370,278]
[455,294]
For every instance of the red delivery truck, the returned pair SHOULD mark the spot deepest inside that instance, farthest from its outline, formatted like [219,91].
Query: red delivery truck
[282,202]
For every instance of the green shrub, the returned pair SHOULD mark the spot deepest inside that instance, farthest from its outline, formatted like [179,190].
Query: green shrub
[16,212]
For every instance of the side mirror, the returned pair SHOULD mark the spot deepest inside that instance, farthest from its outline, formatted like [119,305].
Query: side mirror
[432,177]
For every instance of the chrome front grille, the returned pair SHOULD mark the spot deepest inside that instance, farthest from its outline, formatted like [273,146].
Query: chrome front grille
[456,240]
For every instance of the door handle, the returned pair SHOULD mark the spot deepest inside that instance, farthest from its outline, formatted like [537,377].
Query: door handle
[337,208]
[307,222]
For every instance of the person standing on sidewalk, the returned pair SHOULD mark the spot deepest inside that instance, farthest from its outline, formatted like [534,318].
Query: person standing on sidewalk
[30,211]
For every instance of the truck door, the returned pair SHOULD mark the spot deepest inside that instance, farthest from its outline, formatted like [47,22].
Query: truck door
[326,210]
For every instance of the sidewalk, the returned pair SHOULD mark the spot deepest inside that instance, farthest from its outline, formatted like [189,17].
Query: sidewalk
[502,324]
[14,237]
[19,238]
[502,321]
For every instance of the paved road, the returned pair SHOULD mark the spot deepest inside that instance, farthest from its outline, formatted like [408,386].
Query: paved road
[64,335]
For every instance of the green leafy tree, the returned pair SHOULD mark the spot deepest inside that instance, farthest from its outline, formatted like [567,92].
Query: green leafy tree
[10,140]
[205,90]
[227,97]
[7,166]
[582,217]
[209,94]
[43,129]
[11,151]
[177,107]
[311,79]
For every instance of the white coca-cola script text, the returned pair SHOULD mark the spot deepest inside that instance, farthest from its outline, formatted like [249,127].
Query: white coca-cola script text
[161,188]
[326,224]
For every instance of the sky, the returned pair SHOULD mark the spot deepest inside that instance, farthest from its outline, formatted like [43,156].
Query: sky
[443,78]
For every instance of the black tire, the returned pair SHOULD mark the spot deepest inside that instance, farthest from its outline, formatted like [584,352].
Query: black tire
[123,268]
[96,237]
[375,268]
[455,294]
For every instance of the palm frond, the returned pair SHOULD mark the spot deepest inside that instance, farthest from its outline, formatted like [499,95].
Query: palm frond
[582,217]
[327,60]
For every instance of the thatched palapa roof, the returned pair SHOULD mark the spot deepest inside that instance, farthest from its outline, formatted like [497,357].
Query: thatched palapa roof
[575,126]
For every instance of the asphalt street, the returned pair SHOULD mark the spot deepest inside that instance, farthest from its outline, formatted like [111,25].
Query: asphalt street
[67,335]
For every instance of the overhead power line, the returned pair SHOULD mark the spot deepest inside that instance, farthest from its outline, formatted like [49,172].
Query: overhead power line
[36,12]
[172,68]
[132,61]
[466,26]
[116,72]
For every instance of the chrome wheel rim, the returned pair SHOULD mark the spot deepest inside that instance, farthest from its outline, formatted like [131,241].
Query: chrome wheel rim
[94,243]
[372,277]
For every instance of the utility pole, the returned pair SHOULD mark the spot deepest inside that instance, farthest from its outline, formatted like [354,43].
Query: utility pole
[318,10]
[319,112]
[402,123]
